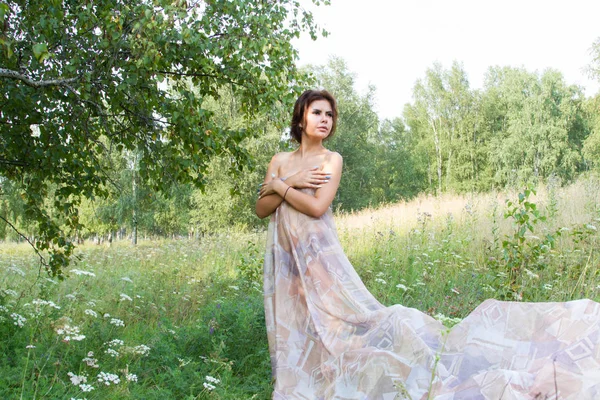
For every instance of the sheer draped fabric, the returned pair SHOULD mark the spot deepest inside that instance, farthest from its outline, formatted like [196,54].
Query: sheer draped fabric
[329,338]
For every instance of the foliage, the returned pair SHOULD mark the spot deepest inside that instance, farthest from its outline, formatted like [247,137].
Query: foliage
[521,253]
[539,126]
[444,117]
[80,80]
[522,127]
[591,145]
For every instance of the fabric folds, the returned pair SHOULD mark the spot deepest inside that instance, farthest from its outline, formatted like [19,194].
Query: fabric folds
[329,338]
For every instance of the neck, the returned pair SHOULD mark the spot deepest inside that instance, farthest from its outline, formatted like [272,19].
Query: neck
[308,148]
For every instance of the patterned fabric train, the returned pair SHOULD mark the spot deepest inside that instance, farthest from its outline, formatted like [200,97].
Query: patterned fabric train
[329,338]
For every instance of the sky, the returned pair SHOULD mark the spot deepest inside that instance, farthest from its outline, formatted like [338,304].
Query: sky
[391,43]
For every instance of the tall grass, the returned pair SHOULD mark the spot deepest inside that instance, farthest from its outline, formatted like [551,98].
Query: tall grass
[184,319]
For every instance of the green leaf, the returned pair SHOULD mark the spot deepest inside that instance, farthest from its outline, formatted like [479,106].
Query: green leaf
[40,51]
[3,11]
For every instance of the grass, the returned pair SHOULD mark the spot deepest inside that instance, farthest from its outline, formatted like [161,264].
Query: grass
[184,319]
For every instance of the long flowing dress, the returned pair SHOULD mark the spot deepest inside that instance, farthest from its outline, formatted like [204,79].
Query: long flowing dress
[329,338]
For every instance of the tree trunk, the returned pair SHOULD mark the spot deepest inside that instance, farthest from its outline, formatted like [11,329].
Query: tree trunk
[438,154]
[134,221]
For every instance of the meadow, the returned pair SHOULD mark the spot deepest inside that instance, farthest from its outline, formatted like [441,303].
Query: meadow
[183,319]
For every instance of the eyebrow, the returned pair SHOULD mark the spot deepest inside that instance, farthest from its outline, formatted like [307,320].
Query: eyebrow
[318,109]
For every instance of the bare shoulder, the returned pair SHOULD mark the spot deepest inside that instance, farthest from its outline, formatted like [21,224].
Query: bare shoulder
[280,158]
[333,158]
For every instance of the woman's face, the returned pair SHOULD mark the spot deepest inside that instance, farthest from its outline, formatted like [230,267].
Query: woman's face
[318,119]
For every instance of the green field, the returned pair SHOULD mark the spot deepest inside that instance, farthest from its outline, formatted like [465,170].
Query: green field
[184,319]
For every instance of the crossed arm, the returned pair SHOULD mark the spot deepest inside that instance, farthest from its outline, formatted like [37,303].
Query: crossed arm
[274,188]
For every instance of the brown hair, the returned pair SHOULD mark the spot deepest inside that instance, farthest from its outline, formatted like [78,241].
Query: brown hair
[301,106]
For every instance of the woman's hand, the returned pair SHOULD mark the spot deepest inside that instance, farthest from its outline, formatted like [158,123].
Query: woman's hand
[308,178]
[268,188]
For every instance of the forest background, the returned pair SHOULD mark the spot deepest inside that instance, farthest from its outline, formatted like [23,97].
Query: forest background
[522,128]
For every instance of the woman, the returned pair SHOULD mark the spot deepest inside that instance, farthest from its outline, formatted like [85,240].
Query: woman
[329,338]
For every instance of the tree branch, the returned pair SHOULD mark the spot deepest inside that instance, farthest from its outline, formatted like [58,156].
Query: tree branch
[42,259]
[7,73]
[199,75]
[13,162]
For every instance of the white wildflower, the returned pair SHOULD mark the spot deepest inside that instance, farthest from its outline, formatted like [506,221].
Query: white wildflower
[131,377]
[9,292]
[114,343]
[142,349]
[82,272]
[488,288]
[30,346]
[108,378]
[90,360]
[401,286]
[183,362]
[212,380]
[117,322]
[531,274]
[3,309]
[124,297]
[234,287]
[77,379]
[16,270]
[71,296]
[517,296]
[86,388]
[107,315]
[91,303]
[112,352]
[208,386]
[591,227]
[547,286]
[70,333]
[40,302]
[91,313]
[18,319]
[382,281]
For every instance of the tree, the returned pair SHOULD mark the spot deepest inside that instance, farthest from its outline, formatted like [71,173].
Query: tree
[445,117]
[399,165]
[540,129]
[79,79]
[591,147]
